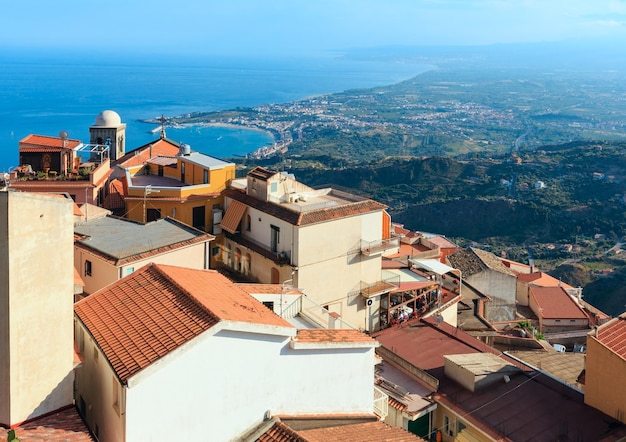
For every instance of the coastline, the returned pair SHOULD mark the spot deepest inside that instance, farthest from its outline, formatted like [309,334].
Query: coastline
[279,143]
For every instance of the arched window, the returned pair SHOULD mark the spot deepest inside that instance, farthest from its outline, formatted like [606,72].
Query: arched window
[238,265]
[248,263]
[275,276]
[248,223]
[227,260]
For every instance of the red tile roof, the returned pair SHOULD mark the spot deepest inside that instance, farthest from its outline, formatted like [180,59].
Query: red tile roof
[613,335]
[38,143]
[555,303]
[333,336]
[549,407]
[223,297]
[365,432]
[141,318]
[541,279]
[279,432]
[64,425]
[350,208]
[138,156]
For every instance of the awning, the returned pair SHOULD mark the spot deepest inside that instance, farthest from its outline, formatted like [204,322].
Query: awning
[410,286]
[432,265]
[233,215]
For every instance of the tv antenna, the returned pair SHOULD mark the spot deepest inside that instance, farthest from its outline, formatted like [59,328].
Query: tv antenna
[162,120]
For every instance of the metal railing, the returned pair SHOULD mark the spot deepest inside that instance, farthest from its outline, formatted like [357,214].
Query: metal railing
[381,403]
[378,246]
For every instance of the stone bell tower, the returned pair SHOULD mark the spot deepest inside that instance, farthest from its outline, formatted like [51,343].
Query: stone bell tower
[110,131]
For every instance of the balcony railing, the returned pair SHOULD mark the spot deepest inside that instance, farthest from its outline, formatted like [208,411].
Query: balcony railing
[379,246]
[381,403]
[280,258]
[369,290]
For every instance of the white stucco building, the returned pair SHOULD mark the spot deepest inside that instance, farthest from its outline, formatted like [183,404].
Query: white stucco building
[326,242]
[36,305]
[109,248]
[186,352]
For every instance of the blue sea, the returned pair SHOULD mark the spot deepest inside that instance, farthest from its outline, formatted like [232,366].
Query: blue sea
[45,95]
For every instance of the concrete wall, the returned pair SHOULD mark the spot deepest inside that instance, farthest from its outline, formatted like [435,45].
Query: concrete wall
[605,380]
[36,305]
[501,288]
[95,385]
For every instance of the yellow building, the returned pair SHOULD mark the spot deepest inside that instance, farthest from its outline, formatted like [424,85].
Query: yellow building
[605,368]
[186,187]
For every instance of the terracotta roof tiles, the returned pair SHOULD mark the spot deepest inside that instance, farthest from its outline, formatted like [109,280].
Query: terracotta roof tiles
[365,432]
[279,432]
[554,302]
[332,336]
[543,399]
[63,425]
[375,431]
[613,335]
[141,318]
[37,142]
[138,156]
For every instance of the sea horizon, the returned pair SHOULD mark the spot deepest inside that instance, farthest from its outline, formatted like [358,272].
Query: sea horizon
[44,96]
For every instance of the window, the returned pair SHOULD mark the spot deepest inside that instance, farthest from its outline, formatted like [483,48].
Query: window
[447,426]
[275,238]
[274,187]
[182,172]
[248,223]
[87,267]
[95,354]
[269,305]
[129,270]
[205,176]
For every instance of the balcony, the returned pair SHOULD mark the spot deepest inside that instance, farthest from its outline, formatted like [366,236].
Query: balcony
[373,247]
[369,290]
[280,258]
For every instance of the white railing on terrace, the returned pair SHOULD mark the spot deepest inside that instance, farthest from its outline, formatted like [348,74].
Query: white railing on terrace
[369,247]
[381,403]
[319,316]
[292,310]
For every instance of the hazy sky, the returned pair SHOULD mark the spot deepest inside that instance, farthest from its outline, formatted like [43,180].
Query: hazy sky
[292,26]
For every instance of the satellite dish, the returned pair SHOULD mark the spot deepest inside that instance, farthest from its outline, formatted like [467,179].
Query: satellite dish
[64,135]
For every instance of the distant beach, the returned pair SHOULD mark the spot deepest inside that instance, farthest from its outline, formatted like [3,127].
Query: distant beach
[45,98]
